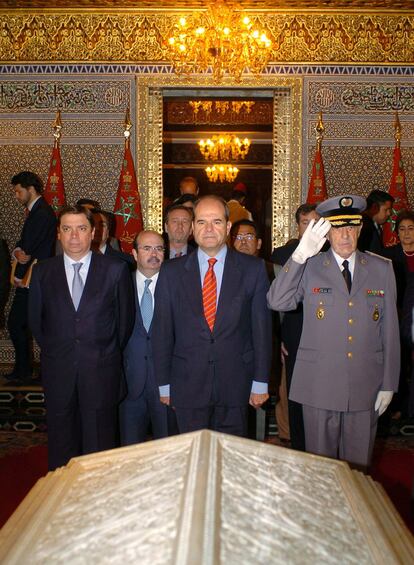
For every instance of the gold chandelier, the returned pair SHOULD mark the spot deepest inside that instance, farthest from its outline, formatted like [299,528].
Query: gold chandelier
[221,107]
[224,147]
[223,39]
[222,173]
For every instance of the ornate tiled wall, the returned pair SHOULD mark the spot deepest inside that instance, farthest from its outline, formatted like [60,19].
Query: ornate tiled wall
[358,104]
[93,110]
[358,114]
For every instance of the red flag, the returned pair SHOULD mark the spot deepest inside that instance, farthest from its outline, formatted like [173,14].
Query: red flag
[399,192]
[54,193]
[317,192]
[127,210]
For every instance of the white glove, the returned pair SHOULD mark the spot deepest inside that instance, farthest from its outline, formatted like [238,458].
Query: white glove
[312,240]
[384,397]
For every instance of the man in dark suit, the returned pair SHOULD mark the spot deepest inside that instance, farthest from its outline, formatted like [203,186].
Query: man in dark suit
[37,241]
[81,314]
[102,238]
[142,404]
[378,211]
[212,330]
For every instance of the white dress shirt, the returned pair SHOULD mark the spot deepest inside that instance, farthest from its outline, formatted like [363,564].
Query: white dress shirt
[141,278]
[351,261]
[70,271]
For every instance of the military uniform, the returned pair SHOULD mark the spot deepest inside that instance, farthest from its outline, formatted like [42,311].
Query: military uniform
[349,348]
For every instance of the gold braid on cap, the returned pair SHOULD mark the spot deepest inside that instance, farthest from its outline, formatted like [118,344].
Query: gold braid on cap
[345,219]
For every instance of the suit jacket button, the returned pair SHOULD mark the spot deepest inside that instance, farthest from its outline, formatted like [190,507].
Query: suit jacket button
[212,340]
[148,338]
[77,340]
[146,357]
[77,319]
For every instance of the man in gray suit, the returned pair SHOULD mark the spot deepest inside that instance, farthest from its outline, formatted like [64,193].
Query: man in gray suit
[348,363]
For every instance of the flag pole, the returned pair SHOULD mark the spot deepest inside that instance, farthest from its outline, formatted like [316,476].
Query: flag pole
[317,186]
[57,127]
[54,193]
[127,208]
[397,190]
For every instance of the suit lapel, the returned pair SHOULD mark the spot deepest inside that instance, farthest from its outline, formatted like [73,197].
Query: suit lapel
[360,273]
[93,283]
[62,281]
[230,282]
[192,285]
[139,324]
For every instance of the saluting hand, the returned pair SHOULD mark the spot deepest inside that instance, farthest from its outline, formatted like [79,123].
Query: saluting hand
[312,240]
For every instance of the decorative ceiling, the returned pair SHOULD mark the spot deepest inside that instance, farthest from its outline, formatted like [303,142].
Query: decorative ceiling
[260,5]
[347,32]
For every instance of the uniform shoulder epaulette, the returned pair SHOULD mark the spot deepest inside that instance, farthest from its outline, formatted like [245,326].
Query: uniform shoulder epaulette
[379,256]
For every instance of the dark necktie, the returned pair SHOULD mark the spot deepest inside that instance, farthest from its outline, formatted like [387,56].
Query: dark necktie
[210,294]
[346,273]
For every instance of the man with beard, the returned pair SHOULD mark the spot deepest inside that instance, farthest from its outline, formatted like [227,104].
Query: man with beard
[142,404]
[178,229]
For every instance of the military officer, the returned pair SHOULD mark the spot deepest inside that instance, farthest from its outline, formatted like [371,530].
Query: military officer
[348,363]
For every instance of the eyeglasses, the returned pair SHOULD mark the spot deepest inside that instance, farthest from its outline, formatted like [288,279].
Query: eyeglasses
[241,236]
[149,248]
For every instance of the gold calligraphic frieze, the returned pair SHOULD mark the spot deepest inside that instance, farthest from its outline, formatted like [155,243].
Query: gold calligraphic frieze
[138,36]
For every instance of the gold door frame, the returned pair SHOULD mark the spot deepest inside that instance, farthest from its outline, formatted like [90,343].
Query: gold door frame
[287,143]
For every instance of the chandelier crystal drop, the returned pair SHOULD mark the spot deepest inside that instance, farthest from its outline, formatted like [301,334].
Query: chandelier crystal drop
[223,39]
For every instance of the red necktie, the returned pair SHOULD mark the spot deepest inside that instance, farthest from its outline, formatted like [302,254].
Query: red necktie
[210,294]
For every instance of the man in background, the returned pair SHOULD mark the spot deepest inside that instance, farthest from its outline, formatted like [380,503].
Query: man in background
[178,228]
[189,185]
[37,242]
[379,210]
[291,326]
[237,210]
[102,235]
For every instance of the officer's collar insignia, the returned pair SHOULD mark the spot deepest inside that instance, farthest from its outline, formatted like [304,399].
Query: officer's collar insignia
[372,292]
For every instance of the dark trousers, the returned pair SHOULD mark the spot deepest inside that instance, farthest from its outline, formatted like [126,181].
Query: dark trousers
[135,415]
[227,419]
[296,428]
[20,334]
[76,429]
